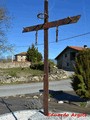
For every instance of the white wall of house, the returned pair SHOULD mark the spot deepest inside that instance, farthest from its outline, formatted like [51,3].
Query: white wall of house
[20,58]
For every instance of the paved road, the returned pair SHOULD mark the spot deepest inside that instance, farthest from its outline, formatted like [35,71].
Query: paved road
[9,90]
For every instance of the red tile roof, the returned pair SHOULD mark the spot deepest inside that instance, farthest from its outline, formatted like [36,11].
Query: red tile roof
[76,48]
[72,47]
[22,53]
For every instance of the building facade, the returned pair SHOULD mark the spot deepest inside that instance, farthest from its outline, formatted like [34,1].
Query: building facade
[21,57]
[66,59]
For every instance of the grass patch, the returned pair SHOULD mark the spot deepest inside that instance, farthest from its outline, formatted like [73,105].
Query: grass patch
[83,104]
[18,72]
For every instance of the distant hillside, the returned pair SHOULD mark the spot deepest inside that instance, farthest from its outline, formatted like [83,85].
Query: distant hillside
[54,61]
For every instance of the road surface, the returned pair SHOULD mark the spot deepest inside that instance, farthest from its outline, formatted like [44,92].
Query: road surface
[12,90]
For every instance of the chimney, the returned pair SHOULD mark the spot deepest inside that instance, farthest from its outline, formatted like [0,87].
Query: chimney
[85,46]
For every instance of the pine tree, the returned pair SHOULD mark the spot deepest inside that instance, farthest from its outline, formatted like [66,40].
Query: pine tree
[33,55]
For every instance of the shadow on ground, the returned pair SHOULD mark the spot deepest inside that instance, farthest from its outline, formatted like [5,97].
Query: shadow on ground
[63,96]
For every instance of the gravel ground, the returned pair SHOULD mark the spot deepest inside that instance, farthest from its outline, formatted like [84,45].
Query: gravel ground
[34,102]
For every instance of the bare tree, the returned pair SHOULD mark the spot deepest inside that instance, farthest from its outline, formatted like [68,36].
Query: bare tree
[4,25]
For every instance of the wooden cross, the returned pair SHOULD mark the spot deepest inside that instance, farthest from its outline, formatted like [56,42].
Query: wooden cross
[65,21]
[45,26]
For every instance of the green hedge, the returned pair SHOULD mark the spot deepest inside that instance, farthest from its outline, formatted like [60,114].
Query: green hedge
[37,66]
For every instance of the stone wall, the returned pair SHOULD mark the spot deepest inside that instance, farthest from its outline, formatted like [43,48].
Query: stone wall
[14,64]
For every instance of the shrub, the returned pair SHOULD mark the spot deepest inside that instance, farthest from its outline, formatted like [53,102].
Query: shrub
[37,66]
[40,65]
[81,79]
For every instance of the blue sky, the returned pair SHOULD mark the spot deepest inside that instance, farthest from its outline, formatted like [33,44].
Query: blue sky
[24,13]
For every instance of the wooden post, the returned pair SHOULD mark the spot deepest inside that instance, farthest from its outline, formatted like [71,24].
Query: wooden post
[45,94]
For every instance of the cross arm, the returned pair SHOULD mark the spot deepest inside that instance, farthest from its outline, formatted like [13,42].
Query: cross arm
[65,21]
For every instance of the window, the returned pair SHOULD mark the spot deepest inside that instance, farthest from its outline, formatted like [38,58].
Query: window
[72,55]
[65,55]
[67,64]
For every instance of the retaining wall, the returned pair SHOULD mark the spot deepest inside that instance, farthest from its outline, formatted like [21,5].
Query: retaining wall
[14,64]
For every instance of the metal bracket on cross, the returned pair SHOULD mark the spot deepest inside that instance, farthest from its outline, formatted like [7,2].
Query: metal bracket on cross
[36,37]
[57,34]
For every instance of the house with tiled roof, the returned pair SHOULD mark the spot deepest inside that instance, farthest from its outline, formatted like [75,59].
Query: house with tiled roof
[20,57]
[66,59]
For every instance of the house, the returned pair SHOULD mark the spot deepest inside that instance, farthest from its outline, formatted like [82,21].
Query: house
[21,57]
[66,59]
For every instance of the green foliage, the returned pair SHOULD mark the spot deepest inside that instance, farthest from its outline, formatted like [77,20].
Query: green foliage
[37,66]
[13,74]
[81,79]
[51,65]
[18,72]
[33,55]
[40,65]
[83,104]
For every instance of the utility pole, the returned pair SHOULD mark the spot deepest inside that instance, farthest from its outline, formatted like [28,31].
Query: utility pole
[45,26]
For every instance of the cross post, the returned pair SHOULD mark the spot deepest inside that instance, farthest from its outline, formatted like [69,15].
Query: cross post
[45,92]
[45,26]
